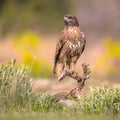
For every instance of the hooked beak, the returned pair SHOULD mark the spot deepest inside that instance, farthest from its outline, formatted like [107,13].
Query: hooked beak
[65,18]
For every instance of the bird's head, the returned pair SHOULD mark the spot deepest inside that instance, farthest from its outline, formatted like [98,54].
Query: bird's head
[71,20]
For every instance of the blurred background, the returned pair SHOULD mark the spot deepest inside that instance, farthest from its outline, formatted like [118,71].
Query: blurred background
[29,31]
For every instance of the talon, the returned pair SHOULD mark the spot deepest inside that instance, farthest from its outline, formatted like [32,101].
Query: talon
[84,64]
[87,76]
[88,72]
[71,71]
[61,77]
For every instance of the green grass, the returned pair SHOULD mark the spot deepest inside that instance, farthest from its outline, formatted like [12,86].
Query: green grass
[101,100]
[18,102]
[55,116]
[15,84]
[16,91]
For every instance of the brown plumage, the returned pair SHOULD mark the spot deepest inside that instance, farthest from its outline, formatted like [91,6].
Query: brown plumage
[70,46]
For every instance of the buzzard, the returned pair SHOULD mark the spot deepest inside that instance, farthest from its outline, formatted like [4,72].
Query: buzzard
[70,46]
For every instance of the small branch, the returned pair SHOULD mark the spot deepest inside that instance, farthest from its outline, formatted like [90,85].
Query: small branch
[80,81]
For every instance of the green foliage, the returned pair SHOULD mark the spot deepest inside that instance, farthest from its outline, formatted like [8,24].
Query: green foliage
[45,103]
[15,83]
[56,116]
[16,97]
[16,94]
[25,14]
[109,61]
[101,100]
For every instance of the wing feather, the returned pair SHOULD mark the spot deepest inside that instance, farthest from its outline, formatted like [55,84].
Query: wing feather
[59,47]
[83,42]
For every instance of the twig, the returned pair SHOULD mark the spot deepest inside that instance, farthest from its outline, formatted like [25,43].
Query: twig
[80,81]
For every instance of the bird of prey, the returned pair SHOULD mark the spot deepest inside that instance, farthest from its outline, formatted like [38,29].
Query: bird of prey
[70,45]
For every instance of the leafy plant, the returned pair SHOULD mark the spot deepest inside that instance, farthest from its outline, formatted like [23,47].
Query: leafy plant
[45,103]
[16,96]
[16,91]
[101,100]
[15,83]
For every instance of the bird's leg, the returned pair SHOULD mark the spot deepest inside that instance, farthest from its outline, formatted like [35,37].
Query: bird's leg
[72,66]
[66,68]
[63,72]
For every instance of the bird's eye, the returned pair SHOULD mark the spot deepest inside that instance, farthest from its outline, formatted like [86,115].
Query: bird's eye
[70,17]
